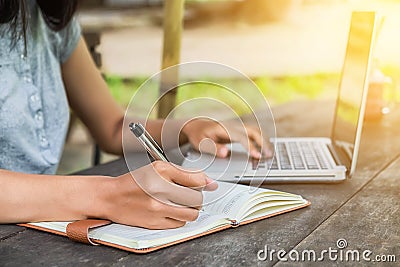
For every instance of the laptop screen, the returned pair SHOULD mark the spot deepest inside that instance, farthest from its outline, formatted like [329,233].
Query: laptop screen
[353,87]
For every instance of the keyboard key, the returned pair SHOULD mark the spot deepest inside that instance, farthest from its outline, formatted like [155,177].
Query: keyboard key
[284,159]
[309,156]
[293,156]
[296,156]
[320,157]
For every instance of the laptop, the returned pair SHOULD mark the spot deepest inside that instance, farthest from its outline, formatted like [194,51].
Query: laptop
[311,159]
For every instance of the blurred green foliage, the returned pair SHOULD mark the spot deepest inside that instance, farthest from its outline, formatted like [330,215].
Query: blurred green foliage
[277,90]
[122,89]
[281,90]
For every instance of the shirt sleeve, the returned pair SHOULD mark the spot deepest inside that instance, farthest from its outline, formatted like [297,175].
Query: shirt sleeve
[67,40]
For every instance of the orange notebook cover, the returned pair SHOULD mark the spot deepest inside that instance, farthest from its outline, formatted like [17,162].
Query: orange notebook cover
[231,205]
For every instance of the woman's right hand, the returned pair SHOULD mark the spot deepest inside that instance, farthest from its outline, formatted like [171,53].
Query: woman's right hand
[157,196]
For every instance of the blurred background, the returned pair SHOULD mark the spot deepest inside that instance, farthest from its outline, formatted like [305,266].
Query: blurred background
[292,49]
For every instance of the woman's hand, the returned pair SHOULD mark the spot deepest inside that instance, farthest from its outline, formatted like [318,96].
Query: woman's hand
[157,196]
[250,137]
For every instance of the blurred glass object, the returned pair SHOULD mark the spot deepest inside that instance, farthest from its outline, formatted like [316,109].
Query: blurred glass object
[380,95]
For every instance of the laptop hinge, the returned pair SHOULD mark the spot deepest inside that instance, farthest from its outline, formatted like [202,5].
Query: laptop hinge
[340,156]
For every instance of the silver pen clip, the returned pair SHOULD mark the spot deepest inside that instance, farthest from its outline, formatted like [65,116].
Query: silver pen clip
[148,142]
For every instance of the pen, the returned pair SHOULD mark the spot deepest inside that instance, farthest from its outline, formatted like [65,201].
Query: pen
[148,142]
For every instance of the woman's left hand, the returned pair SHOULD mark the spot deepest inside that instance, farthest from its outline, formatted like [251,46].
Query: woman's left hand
[250,137]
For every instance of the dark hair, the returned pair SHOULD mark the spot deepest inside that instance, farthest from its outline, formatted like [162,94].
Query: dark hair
[10,10]
[56,13]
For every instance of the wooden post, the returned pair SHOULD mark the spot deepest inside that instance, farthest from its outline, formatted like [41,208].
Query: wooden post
[173,24]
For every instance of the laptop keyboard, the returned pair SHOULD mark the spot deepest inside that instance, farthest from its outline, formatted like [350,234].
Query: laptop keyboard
[294,156]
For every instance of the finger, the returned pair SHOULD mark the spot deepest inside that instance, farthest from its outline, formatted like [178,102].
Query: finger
[212,185]
[215,145]
[269,148]
[256,143]
[165,223]
[168,223]
[249,145]
[179,186]
[209,146]
[196,180]
[222,150]
[256,136]
[254,151]
[222,134]
[180,196]
[182,214]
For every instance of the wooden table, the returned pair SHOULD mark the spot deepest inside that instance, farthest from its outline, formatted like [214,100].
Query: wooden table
[363,211]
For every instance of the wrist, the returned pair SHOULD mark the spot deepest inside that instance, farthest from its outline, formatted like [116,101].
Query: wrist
[183,137]
[186,131]
[96,197]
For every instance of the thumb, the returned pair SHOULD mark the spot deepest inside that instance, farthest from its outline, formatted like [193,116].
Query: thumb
[213,148]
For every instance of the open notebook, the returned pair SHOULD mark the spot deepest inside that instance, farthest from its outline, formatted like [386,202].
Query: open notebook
[230,206]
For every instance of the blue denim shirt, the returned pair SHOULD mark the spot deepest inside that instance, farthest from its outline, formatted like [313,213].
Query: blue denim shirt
[34,111]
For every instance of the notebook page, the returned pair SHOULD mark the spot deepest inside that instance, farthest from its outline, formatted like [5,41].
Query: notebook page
[269,207]
[225,200]
[272,210]
[139,238]
[57,226]
[232,200]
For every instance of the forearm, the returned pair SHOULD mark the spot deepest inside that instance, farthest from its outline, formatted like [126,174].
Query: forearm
[141,198]
[28,197]
[92,101]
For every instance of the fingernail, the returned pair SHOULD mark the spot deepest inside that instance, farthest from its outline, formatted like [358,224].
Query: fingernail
[255,154]
[223,152]
[211,185]
[268,153]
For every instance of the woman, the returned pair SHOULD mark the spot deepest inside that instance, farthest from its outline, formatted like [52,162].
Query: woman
[45,69]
